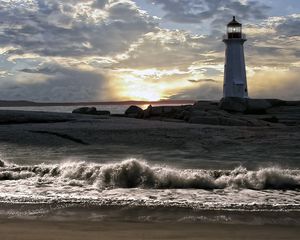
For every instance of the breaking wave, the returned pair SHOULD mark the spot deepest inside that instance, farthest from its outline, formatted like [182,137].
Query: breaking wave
[138,174]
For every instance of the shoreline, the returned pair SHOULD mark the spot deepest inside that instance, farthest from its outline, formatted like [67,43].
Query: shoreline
[73,230]
[84,211]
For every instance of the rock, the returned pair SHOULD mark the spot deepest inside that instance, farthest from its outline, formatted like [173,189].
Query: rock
[220,113]
[147,112]
[253,122]
[257,106]
[233,104]
[2,164]
[233,122]
[205,120]
[90,111]
[102,113]
[292,103]
[227,121]
[85,110]
[134,112]
[245,105]
[205,105]
[272,119]
[276,102]
[164,111]
[215,120]
[156,111]
[195,114]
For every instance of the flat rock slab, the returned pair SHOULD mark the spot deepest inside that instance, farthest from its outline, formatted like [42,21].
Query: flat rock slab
[22,117]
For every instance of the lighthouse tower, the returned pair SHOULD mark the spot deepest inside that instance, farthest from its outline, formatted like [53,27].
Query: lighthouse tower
[235,80]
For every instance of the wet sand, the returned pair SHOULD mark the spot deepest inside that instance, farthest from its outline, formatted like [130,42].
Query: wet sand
[73,230]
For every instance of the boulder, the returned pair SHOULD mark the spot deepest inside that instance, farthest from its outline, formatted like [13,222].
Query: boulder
[277,102]
[156,111]
[183,115]
[205,105]
[257,106]
[147,112]
[134,112]
[233,104]
[246,105]
[90,111]
[102,113]
[164,111]
[85,110]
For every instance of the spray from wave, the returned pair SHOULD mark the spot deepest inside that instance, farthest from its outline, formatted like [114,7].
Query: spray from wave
[138,174]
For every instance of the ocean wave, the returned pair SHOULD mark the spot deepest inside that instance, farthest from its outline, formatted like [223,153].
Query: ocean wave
[138,174]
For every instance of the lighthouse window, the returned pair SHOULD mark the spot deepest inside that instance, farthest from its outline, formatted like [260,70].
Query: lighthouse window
[234,29]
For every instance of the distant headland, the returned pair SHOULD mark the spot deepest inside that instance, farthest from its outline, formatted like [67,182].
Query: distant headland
[23,103]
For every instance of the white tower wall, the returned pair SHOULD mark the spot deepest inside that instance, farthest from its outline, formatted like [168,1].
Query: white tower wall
[235,80]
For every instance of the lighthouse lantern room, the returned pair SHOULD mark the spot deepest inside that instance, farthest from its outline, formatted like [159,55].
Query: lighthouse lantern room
[235,80]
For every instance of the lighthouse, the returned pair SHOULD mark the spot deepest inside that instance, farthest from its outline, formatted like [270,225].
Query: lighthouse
[235,79]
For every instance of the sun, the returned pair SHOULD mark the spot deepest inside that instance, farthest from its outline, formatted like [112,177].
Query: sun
[135,88]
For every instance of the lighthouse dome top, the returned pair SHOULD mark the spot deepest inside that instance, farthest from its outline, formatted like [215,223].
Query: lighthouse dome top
[234,29]
[234,23]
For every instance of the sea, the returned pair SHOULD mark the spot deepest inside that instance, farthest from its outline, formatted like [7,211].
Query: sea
[140,189]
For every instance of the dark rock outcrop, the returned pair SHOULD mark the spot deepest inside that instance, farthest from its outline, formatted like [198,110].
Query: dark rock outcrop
[134,112]
[229,112]
[206,105]
[233,104]
[257,106]
[174,112]
[246,105]
[90,110]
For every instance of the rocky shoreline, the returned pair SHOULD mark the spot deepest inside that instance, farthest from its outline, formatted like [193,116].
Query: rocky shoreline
[227,112]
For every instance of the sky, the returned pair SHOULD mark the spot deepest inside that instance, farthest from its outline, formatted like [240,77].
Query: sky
[117,50]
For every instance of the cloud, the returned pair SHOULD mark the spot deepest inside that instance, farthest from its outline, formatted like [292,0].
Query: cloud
[55,83]
[167,49]
[204,91]
[290,26]
[203,81]
[275,84]
[99,3]
[197,11]
[273,42]
[71,28]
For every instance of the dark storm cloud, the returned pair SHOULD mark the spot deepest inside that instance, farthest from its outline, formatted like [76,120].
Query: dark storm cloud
[55,28]
[196,11]
[60,84]
[290,27]
[48,70]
